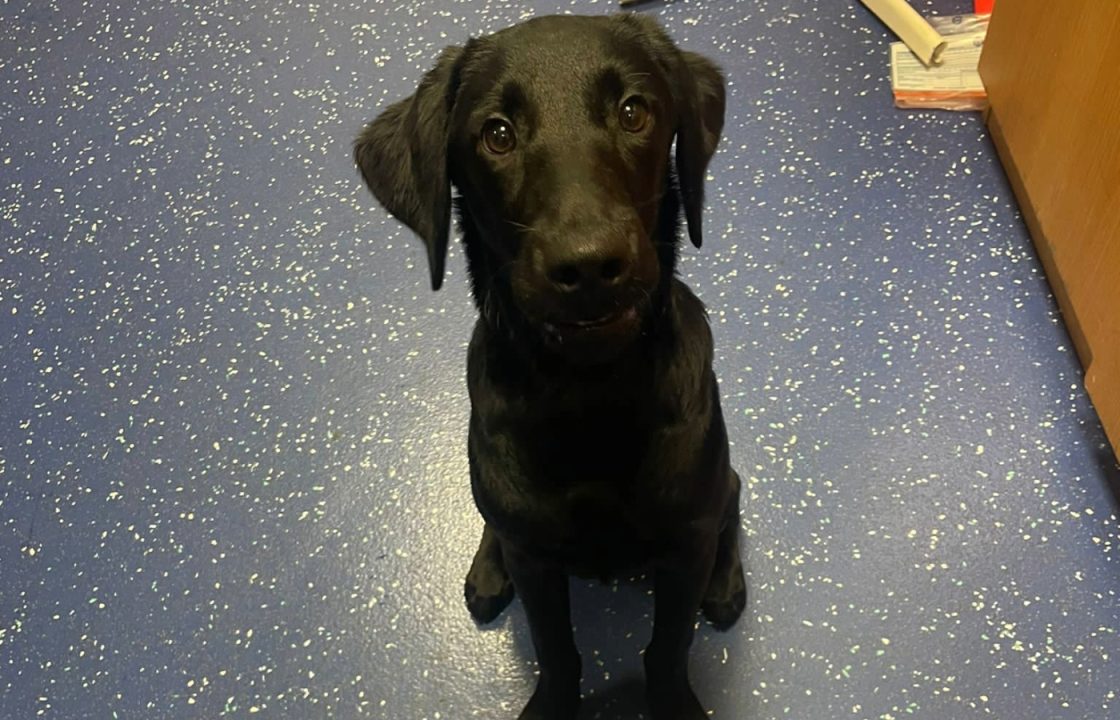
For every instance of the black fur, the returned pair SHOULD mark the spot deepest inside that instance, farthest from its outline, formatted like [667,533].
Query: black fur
[596,442]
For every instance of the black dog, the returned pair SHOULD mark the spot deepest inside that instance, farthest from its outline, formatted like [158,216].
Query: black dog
[596,441]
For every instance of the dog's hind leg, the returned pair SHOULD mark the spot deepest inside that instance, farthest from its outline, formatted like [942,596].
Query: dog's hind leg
[488,588]
[726,595]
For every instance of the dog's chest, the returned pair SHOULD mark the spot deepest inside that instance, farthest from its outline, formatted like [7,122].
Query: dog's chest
[593,528]
[602,451]
[594,494]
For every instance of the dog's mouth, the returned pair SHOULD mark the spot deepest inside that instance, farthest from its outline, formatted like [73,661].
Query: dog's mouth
[593,340]
[614,317]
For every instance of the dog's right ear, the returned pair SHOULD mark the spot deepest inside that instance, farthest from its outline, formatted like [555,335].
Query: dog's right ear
[403,157]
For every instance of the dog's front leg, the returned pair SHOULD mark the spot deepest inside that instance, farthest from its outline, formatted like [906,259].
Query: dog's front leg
[543,589]
[679,584]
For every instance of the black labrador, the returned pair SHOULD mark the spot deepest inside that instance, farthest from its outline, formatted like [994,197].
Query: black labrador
[596,442]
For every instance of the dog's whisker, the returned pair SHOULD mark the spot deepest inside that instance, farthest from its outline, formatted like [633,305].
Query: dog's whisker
[655,198]
[522,226]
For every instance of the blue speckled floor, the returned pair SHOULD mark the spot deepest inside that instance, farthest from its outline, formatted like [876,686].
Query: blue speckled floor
[233,478]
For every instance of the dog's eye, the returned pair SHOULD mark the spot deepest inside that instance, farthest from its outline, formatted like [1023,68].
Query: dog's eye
[497,136]
[633,115]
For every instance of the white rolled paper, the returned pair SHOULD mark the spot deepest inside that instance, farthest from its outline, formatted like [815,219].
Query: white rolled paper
[911,28]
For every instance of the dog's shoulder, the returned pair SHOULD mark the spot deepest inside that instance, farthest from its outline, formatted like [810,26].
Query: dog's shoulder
[490,375]
[690,318]
[684,362]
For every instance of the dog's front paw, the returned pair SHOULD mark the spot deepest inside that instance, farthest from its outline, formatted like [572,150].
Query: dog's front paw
[551,703]
[668,691]
[676,702]
[488,591]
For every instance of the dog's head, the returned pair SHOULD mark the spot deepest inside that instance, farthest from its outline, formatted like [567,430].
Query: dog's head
[557,134]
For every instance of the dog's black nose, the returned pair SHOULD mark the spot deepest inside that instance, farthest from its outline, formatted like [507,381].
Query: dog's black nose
[589,267]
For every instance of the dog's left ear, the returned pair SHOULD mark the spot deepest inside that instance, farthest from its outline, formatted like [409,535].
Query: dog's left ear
[701,100]
[403,157]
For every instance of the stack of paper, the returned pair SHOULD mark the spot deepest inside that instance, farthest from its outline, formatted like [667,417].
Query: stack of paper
[952,84]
